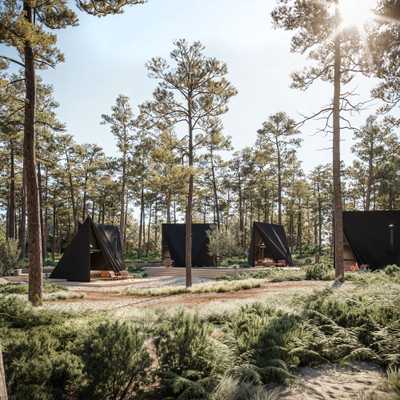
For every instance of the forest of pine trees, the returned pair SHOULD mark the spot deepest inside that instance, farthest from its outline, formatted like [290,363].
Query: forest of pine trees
[173,160]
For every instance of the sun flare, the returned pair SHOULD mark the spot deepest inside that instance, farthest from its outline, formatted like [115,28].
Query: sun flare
[356,13]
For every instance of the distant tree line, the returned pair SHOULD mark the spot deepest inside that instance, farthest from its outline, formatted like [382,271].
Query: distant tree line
[170,164]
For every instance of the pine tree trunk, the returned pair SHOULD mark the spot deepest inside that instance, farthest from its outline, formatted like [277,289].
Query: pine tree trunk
[122,206]
[3,386]
[22,235]
[42,227]
[168,206]
[369,178]
[141,219]
[299,231]
[11,203]
[148,231]
[319,224]
[84,199]
[189,209]
[279,188]
[53,243]
[126,218]
[241,217]
[337,191]
[33,204]
[215,190]
[72,192]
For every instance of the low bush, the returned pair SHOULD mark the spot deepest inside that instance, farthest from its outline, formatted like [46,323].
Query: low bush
[19,314]
[9,256]
[38,366]
[37,349]
[319,272]
[392,270]
[116,362]
[190,360]
[137,272]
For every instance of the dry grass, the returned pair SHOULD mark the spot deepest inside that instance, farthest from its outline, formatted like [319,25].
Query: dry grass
[214,287]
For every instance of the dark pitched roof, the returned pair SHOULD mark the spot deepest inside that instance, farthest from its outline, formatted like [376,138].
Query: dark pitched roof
[102,241]
[374,236]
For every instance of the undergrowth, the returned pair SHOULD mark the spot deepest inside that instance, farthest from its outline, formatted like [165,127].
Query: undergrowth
[52,355]
[22,288]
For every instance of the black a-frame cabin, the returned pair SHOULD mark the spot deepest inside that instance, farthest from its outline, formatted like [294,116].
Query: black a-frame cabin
[268,241]
[95,247]
[372,238]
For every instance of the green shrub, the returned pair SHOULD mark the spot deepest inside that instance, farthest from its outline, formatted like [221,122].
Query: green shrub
[19,314]
[116,362]
[9,256]
[392,270]
[190,360]
[319,272]
[38,368]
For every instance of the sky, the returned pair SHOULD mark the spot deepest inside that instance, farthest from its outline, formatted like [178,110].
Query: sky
[106,57]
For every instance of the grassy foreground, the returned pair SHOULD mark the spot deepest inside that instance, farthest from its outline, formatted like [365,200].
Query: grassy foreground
[230,355]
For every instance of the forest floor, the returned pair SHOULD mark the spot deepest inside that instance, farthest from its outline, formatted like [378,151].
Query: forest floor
[113,297]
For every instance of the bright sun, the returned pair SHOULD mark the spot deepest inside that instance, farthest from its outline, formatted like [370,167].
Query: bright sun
[356,12]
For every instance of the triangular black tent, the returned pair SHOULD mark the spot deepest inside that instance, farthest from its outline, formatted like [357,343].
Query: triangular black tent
[373,236]
[173,240]
[273,239]
[94,247]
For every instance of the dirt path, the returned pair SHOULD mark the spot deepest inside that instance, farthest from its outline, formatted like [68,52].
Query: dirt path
[113,300]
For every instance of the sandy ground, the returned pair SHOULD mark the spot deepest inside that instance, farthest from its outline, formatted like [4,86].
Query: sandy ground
[357,382]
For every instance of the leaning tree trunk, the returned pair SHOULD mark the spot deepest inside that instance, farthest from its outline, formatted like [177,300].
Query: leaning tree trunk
[337,191]
[33,204]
